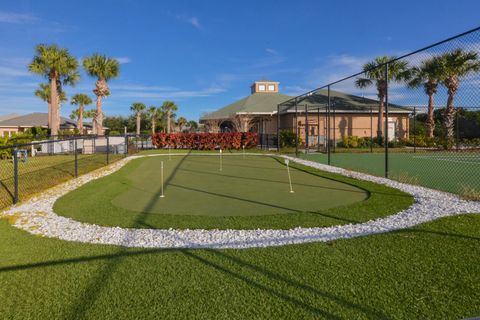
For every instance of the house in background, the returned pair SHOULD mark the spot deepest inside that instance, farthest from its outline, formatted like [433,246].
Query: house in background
[10,125]
[350,115]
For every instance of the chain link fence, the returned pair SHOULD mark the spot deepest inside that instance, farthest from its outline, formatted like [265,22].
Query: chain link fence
[415,119]
[28,168]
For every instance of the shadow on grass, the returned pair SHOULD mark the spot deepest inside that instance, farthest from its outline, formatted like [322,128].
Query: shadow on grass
[275,181]
[219,261]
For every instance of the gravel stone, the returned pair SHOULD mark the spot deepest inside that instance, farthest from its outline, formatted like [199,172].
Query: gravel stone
[36,216]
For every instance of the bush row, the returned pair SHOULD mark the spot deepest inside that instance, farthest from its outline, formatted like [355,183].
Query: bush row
[205,141]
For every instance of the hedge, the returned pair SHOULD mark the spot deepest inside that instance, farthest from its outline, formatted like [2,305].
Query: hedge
[205,141]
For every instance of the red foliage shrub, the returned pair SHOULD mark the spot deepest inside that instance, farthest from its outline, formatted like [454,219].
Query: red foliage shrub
[205,141]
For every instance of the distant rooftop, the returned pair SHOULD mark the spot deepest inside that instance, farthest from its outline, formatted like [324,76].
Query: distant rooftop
[35,119]
[8,116]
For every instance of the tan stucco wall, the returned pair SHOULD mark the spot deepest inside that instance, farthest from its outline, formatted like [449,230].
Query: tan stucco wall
[361,125]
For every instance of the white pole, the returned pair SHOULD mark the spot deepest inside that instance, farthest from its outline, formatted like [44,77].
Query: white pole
[289,178]
[169,155]
[161,178]
[243,147]
[220,159]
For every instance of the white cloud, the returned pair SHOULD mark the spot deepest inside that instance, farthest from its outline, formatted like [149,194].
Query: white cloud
[123,60]
[13,72]
[193,21]
[137,87]
[17,18]
[271,51]
[159,92]
[295,90]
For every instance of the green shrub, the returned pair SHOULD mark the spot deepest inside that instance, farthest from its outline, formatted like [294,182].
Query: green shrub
[288,139]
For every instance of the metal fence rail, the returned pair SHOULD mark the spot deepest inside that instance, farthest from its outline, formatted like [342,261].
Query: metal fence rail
[415,118]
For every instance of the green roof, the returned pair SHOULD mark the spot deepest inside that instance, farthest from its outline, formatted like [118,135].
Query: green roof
[339,101]
[254,103]
[268,102]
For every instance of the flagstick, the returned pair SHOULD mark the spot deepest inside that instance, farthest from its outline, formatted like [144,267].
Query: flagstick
[243,151]
[289,178]
[220,159]
[161,175]
[169,155]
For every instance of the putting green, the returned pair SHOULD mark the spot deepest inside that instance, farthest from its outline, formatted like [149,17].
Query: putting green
[256,185]
[247,194]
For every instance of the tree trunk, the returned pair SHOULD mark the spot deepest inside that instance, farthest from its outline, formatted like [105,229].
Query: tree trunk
[380,116]
[80,119]
[49,120]
[99,117]
[55,125]
[153,125]
[430,123]
[168,121]
[138,123]
[382,90]
[450,121]
[452,85]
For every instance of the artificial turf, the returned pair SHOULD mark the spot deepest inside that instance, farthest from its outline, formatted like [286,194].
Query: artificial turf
[249,192]
[456,172]
[427,272]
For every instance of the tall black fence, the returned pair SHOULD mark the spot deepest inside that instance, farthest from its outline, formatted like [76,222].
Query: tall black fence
[415,118]
[28,168]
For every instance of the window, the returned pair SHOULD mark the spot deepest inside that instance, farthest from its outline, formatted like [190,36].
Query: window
[261,87]
[271,87]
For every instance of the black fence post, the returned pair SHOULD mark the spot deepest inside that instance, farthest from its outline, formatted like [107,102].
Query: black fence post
[306,130]
[76,156]
[328,127]
[318,130]
[278,127]
[296,128]
[371,129]
[457,132]
[15,175]
[334,131]
[108,149]
[414,129]
[125,149]
[386,121]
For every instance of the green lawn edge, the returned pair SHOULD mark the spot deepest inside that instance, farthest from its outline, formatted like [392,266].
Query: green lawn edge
[430,271]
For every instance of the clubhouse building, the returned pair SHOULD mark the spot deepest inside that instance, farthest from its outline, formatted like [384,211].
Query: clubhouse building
[266,108]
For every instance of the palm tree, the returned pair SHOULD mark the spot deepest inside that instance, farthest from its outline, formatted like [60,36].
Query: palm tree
[81,100]
[44,93]
[89,114]
[59,67]
[153,114]
[138,108]
[455,64]
[192,125]
[374,74]
[168,107]
[428,74]
[104,69]
[181,122]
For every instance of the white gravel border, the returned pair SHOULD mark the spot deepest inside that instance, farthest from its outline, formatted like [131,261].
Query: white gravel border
[37,217]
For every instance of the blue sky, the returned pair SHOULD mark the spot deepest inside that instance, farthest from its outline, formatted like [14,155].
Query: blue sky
[205,54]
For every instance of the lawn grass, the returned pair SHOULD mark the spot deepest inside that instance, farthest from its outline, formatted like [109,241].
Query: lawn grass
[427,272]
[249,193]
[447,171]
